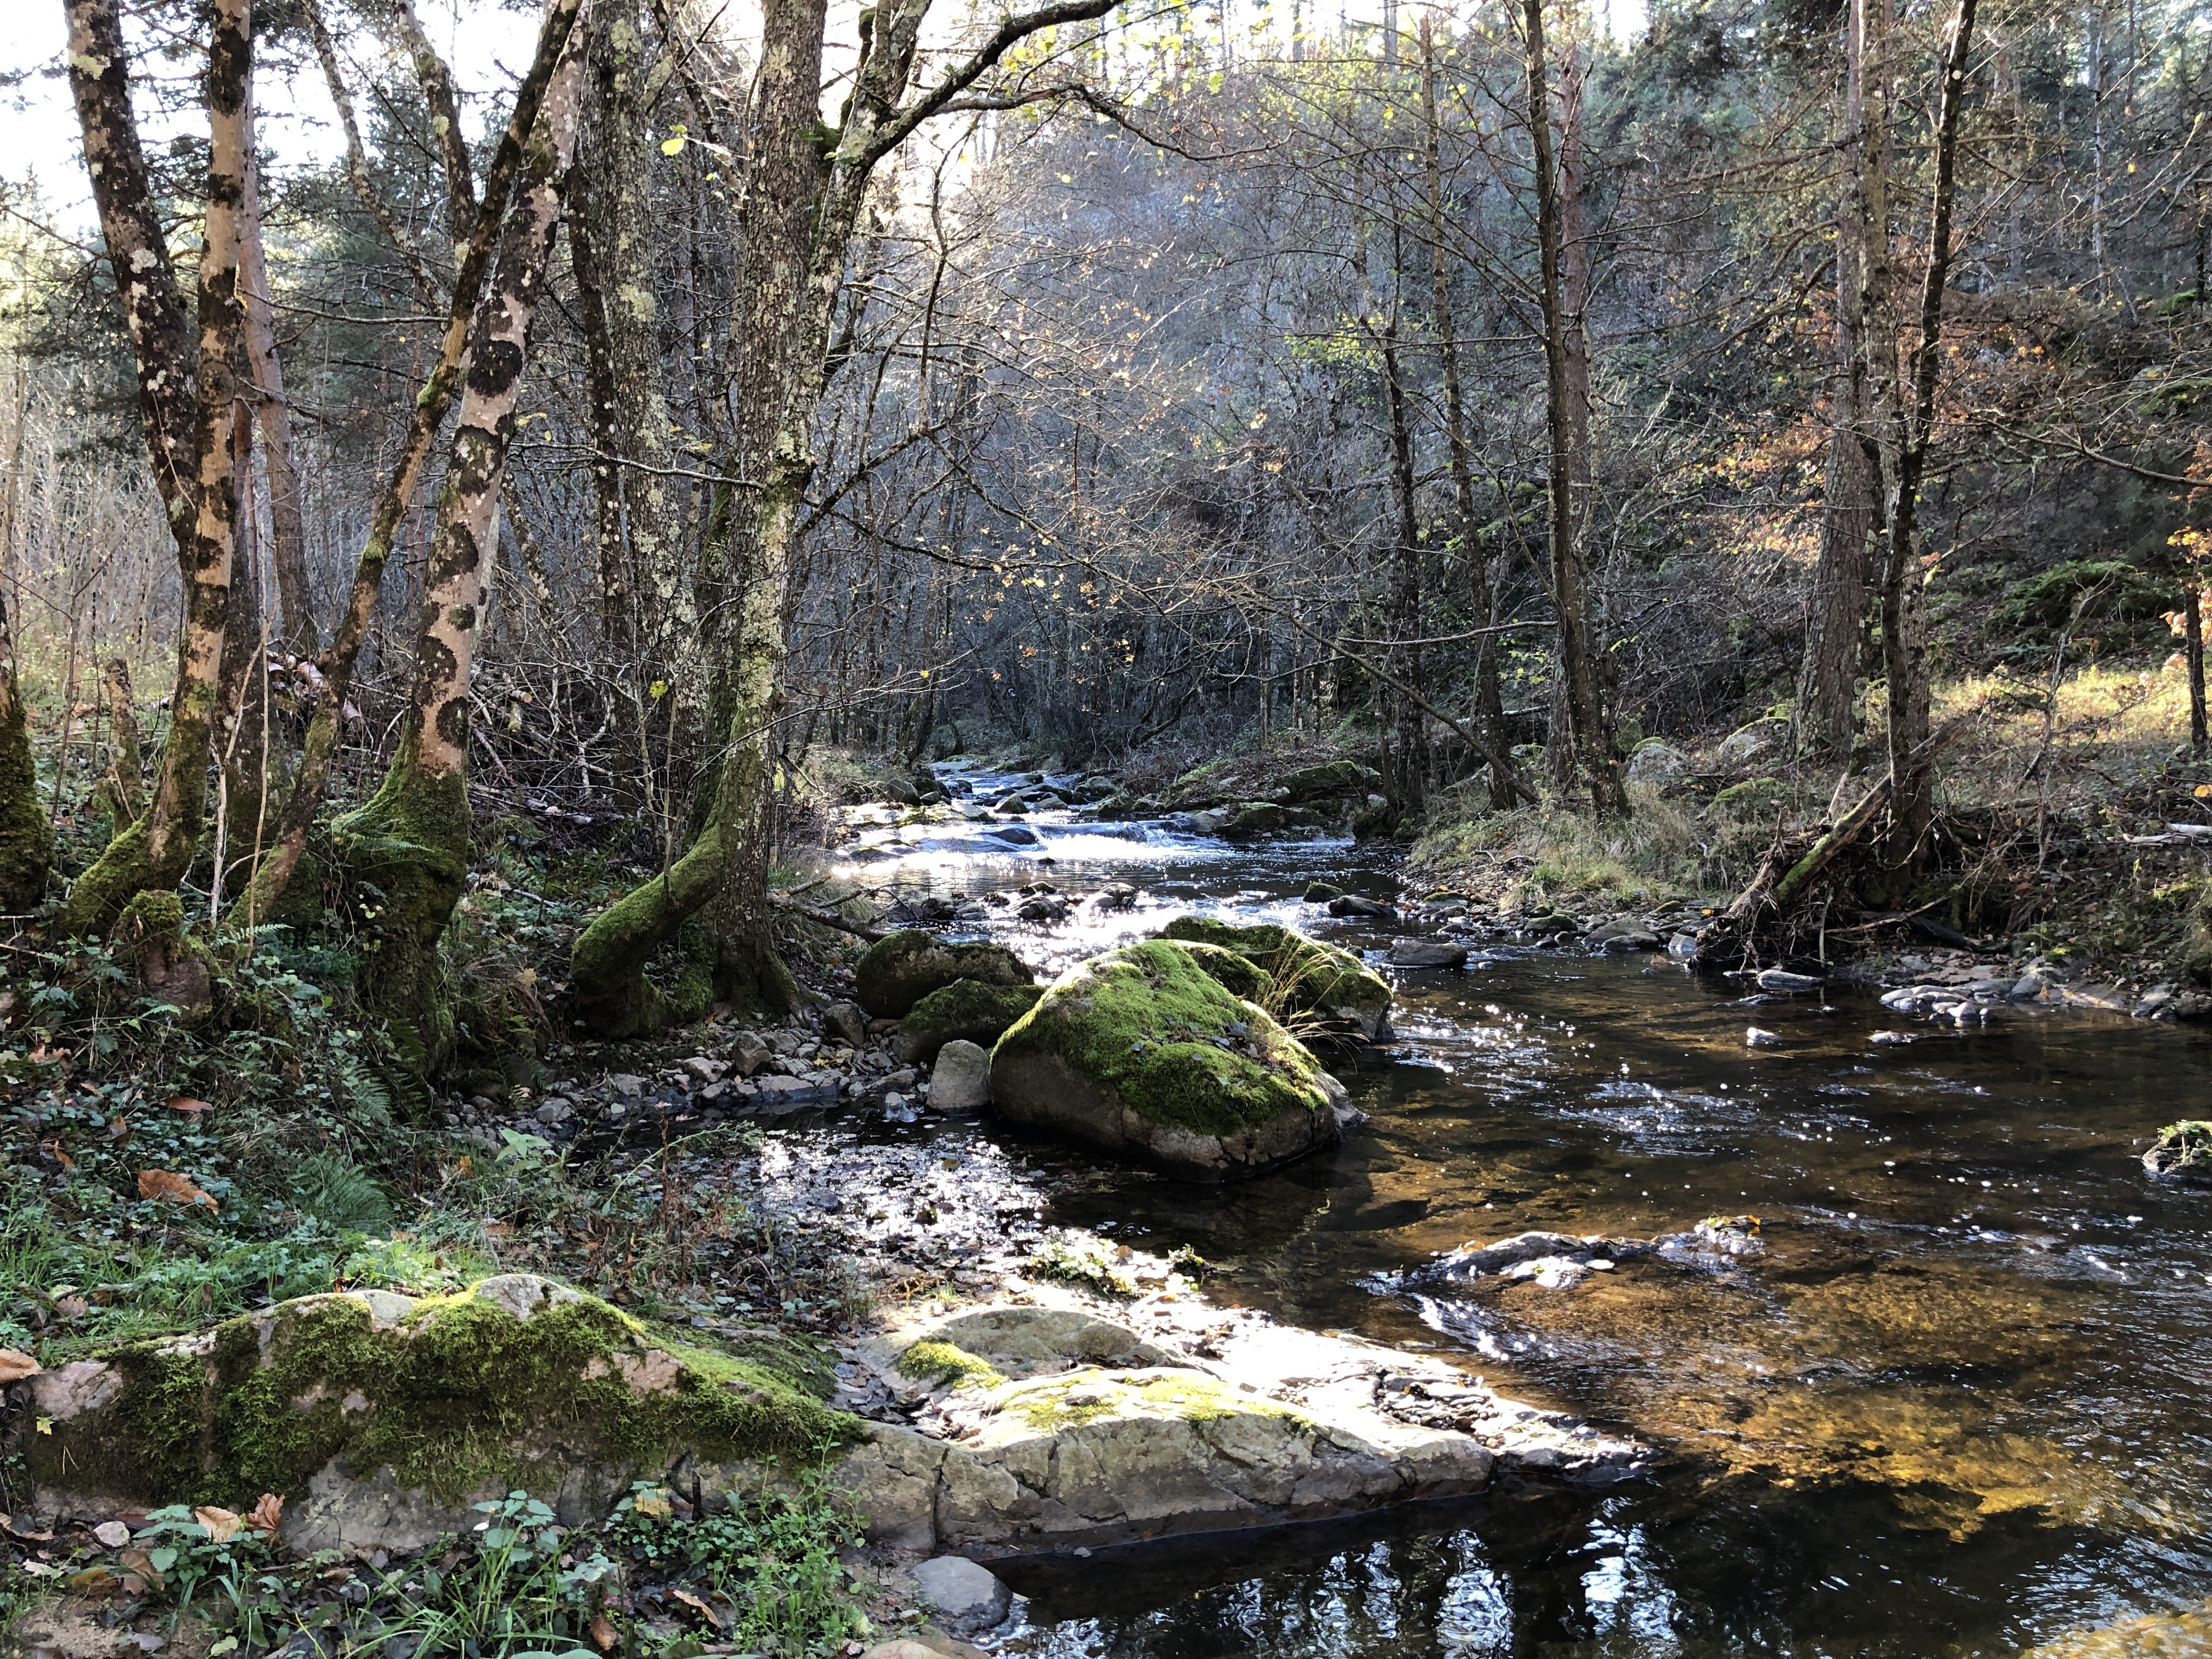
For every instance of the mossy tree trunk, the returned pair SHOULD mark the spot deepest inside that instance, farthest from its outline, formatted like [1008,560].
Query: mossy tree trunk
[803,201]
[318,753]
[187,418]
[26,848]
[410,841]
[288,530]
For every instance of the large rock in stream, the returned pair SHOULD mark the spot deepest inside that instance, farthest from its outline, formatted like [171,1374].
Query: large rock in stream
[381,1418]
[1306,975]
[966,1011]
[900,970]
[1142,1053]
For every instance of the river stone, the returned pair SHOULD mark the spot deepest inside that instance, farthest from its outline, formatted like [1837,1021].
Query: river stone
[899,971]
[1781,979]
[967,1009]
[849,1021]
[1427,953]
[1350,904]
[1141,1053]
[381,1418]
[962,1081]
[1309,976]
[2183,1150]
[1758,1037]
[1320,892]
[1330,778]
[1239,975]
[1015,835]
[967,1598]
[1253,817]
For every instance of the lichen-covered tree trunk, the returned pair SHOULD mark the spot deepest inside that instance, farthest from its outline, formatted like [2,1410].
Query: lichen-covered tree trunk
[26,849]
[802,199]
[153,854]
[318,753]
[411,840]
[241,734]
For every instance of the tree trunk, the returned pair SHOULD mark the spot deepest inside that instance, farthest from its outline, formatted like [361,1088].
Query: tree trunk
[1409,753]
[1905,632]
[411,839]
[1567,422]
[241,732]
[27,849]
[194,468]
[126,772]
[2192,646]
[288,533]
[1481,604]
[319,753]
[1827,683]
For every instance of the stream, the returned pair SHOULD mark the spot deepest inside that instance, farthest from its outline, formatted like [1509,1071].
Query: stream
[1956,1400]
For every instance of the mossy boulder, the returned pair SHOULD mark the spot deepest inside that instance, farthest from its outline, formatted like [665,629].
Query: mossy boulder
[1144,1055]
[899,971]
[967,1011]
[2183,1150]
[1238,975]
[1309,978]
[1330,778]
[381,1418]
[1254,817]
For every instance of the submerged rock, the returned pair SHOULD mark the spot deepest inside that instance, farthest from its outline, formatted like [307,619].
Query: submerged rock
[899,971]
[1142,1053]
[1530,1255]
[969,1010]
[381,1418]
[1309,975]
[1350,904]
[1427,953]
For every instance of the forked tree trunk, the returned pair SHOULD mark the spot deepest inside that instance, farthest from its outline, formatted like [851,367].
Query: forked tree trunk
[188,435]
[1904,623]
[318,753]
[411,840]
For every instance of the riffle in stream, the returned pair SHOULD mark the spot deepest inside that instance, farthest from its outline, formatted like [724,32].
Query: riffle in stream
[1949,1397]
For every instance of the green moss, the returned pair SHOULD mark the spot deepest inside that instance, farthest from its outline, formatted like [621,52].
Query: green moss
[1309,975]
[97,896]
[1238,975]
[1204,1400]
[939,1362]
[900,970]
[1150,1024]
[459,1393]
[2183,1149]
[26,847]
[610,993]
[1081,1397]
[966,1011]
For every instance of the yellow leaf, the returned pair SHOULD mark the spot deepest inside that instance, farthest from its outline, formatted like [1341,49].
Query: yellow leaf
[672,146]
[222,1525]
[657,691]
[652,1504]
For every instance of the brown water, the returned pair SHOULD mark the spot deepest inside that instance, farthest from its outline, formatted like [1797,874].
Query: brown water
[1959,1402]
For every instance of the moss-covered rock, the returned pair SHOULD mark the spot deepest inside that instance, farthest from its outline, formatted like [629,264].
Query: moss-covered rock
[1253,817]
[943,1364]
[1309,978]
[1142,1053]
[966,1011]
[1238,975]
[381,1417]
[2183,1151]
[1330,778]
[899,971]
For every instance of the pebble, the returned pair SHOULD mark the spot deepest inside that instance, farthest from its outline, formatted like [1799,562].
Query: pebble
[1758,1037]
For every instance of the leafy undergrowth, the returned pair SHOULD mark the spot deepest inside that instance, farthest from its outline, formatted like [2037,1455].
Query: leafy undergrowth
[764,1575]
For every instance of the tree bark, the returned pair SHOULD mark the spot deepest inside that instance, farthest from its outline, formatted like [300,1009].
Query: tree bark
[1409,754]
[411,840]
[2192,647]
[1828,683]
[1567,423]
[319,750]
[26,848]
[288,533]
[188,418]
[1481,603]
[1904,624]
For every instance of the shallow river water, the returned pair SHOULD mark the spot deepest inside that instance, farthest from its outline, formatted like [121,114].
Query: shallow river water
[1959,1402]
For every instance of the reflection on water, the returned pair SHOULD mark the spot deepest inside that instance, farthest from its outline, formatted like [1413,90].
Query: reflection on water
[1956,1404]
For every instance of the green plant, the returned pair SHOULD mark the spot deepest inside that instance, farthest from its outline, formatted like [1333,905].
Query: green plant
[1081,1259]
[503,1592]
[207,1556]
[341,1195]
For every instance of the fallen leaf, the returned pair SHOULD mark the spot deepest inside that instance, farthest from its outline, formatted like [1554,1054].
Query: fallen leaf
[112,1534]
[52,1149]
[266,1515]
[222,1525]
[8,1521]
[696,1605]
[15,1366]
[652,1504]
[178,1190]
[187,1104]
[71,1307]
[44,1569]
[138,1562]
[119,1129]
[603,1632]
[94,1581]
